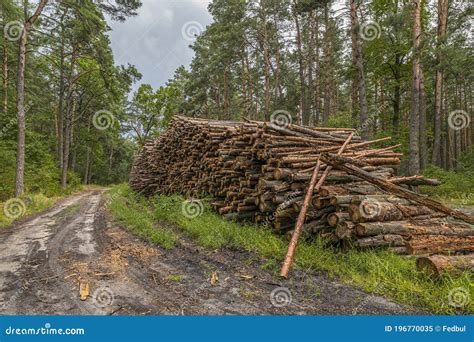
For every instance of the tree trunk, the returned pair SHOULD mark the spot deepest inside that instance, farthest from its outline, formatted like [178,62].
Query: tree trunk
[422,134]
[5,74]
[68,119]
[397,96]
[438,119]
[363,116]
[414,144]
[433,226]
[111,160]
[277,60]
[243,78]
[20,106]
[311,47]
[303,110]
[327,66]
[457,133]
[89,172]
[88,155]
[226,94]
[66,148]
[354,86]
[71,136]
[470,138]
[250,85]
[86,165]
[444,135]
[61,95]
[266,59]
[317,90]
[20,102]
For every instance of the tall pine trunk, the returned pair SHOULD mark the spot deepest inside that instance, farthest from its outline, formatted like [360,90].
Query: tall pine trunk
[311,47]
[327,66]
[278,86]
[243,77]
[20,101]
[363,111]
[422,135]
[438,118]
[20,107]
[354,86]
[60,112]
[88,154]
[414,143]
[397,94]
[317,87]
[5,74]
[303,110]
[266,59]
[67,129]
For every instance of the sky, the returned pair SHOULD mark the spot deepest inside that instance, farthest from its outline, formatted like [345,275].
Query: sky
[157,40]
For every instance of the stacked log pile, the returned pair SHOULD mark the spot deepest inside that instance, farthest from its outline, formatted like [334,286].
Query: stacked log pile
[260,171]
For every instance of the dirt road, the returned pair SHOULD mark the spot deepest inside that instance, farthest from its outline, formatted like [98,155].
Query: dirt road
[45,259]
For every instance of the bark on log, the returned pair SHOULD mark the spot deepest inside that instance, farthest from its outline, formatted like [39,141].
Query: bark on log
[431,244]
[255,171]
[373,211]
[390,240]
[429,227]
[453,264]
[386,186]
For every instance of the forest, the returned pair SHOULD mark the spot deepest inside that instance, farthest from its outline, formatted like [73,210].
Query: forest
[399,68]
[345,126]
[63,97]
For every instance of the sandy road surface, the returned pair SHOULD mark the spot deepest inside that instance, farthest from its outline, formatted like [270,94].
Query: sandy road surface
[45,259]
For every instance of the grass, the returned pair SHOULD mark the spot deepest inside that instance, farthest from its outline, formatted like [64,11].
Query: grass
[379,272]
[457,188]
[132,212]
[17,208]
[14,209]
[176,278]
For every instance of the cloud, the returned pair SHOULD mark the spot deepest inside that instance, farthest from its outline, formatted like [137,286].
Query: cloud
[153,41]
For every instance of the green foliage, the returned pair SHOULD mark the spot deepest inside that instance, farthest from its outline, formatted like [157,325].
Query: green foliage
[466,161]
[42,188]
[91,82]
[41,174]
[7,171]
[151,110]
[341,119]
[455,186]
[249,63]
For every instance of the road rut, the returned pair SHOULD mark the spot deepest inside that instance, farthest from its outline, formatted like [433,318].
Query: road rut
[46,259]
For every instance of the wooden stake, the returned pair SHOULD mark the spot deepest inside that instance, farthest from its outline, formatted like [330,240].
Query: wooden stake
[285,269]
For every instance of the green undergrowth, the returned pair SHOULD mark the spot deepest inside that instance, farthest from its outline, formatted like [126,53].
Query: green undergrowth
[13,209]
[134,213]
[456,188]
[379,272]
[16,208]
